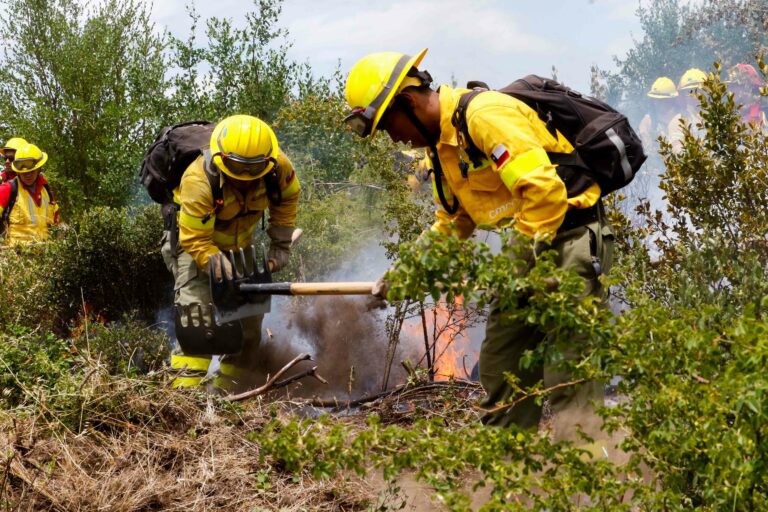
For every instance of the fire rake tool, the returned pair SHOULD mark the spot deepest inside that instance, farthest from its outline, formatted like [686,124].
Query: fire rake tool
[246,292]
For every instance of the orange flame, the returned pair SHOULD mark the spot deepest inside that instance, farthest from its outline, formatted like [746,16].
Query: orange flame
[449,341]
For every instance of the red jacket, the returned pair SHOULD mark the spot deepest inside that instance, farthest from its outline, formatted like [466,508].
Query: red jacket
[6,176]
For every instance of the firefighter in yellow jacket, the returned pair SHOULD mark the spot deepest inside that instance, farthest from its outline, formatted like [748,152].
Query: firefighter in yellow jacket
[243,151]
[515,184]
[27,205]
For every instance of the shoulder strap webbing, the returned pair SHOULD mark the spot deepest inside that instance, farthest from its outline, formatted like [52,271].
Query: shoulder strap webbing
[11,202]
[437,168]
[459,120]
[214,180]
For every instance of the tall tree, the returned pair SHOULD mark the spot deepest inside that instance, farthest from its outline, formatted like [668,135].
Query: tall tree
[239,70]
[85,83]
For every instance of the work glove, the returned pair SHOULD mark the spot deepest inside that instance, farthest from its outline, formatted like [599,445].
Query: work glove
[380,288]
[280,247]
[219,267]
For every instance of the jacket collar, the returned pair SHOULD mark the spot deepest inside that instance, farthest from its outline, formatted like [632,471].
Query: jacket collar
[36,187]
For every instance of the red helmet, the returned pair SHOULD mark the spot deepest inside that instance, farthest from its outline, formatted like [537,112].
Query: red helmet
[745,74]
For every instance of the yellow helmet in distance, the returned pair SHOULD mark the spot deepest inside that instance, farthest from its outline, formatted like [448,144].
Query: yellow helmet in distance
[13,144]
[692,79]
[663,87]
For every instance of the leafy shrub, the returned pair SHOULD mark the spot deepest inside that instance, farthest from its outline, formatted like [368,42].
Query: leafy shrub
[108,263]
[125,346]
[30,361]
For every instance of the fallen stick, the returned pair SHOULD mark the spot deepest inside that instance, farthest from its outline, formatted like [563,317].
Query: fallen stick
[312,372]
[270,384]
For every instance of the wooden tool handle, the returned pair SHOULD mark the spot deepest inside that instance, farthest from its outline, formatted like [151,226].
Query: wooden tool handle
[349,288]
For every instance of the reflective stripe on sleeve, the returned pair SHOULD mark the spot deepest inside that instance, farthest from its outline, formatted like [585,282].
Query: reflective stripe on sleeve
[522,165]
[293,188]
[192,222]
[227,240]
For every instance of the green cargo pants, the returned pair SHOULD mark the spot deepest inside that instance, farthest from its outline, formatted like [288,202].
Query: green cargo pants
[191,286]
[506,341]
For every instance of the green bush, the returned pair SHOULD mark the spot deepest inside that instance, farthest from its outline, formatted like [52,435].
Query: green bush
[125,347]
[106,263]
[109,263]
[30,361]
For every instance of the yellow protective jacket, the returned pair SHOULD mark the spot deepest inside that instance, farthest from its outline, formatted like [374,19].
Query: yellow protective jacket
[33,212]
[516,181]
[232,227]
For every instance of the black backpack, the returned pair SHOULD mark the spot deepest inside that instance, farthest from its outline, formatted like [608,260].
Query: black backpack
[606,148]
[174,149]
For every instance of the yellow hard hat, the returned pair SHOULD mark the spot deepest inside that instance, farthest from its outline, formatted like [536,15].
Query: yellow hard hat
[28,158]
[244,147]
[692,79]
[13,144]
[372,84]
[663,87]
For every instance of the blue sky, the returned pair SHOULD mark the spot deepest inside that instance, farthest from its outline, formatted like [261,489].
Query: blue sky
[492,40]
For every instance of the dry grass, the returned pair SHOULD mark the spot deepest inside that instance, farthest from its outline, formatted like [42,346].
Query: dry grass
[139,445]
[147,447]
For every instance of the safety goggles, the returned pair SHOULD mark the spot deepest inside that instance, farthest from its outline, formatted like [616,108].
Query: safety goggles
[360,120]
[8,158]
[25,164]
[237,164]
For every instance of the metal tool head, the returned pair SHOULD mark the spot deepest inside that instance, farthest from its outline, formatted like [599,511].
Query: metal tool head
[198,333]
[248,267]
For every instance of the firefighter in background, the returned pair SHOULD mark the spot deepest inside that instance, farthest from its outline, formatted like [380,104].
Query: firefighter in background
[688,107]
[745,84]
[663,108]
[27,204]
[243,150]
[9,152]
[516,185]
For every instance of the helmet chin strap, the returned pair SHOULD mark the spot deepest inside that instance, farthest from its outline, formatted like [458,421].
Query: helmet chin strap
[432,144]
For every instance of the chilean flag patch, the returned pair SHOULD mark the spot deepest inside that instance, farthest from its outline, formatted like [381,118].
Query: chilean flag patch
[500,156]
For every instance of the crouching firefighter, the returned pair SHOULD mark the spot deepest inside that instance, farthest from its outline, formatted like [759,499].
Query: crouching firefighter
[221,198]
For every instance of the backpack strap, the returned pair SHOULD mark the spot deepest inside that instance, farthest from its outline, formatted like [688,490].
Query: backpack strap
[214,180]
[272,182]
[47,188]
[11,203]
[570,166]
[437,169]
[459,121]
